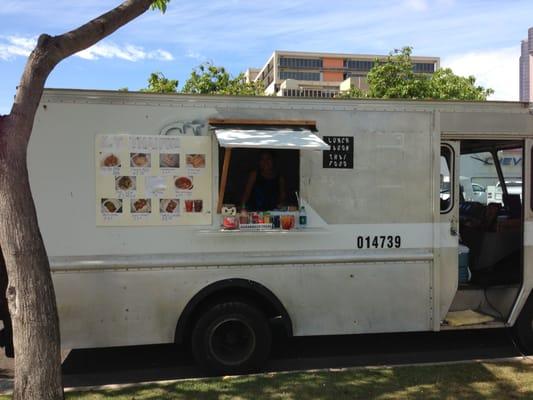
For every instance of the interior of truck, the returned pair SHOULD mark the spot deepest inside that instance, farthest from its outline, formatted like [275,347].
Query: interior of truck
[243,161]
[490,226]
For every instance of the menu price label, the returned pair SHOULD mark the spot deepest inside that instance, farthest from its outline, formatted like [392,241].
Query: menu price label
[340,155]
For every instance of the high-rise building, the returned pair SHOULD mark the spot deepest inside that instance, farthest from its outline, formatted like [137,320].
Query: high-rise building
[295,73]
[526,68]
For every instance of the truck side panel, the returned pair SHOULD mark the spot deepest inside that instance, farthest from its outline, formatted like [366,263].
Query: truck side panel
[117,308]
[385,194]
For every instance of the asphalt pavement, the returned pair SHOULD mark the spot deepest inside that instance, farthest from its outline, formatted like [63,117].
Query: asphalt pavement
[92,367]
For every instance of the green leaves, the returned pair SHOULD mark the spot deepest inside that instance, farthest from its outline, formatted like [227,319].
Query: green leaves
[394,78]
[158,83]
[206,79]
[353,93]
[444,84]
[211,79]
[160,5]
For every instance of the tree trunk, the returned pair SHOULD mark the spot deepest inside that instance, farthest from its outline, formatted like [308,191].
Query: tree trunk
[30,291]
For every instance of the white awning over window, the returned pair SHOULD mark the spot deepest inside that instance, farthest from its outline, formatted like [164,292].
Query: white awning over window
[270,138]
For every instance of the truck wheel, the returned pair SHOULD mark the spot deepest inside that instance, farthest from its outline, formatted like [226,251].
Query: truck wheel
[231,338]
[523,328]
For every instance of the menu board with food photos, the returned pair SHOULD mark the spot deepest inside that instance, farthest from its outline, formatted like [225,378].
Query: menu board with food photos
[153,180]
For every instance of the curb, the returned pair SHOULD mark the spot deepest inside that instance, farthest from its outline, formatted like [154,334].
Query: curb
[519,359]
[6,385]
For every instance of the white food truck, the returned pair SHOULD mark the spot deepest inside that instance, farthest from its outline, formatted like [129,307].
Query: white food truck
[140,199]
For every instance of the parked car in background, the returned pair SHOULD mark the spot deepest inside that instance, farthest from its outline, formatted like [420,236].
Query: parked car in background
[495,192]
[472,191]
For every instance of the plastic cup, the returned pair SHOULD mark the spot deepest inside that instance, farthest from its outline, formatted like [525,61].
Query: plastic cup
[189,205]
[198,205]
[287,222]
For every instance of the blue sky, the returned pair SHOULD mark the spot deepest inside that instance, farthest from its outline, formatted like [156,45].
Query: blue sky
[473,37]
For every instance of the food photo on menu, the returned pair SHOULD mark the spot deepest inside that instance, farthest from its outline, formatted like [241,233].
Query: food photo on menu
[183,182]
[196,160]
[140,160]
[124,183]
[169,160]
[194,206]
[110,160]
[169,206]
[111,206]
[141,206]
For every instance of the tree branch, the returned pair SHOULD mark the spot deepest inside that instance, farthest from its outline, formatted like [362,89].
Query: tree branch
[52,50]
[97,29]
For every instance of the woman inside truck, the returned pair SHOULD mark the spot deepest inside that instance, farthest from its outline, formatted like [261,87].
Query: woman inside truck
[265,187]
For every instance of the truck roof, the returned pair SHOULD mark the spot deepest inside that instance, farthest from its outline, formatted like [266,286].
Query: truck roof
[112,96]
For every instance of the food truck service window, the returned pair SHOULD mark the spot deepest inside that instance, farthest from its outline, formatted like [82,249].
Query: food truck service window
[259,168]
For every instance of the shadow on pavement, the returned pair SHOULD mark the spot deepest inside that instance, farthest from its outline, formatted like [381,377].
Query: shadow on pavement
[164,362]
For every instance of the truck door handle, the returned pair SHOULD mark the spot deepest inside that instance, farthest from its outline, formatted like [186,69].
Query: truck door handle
[453,226]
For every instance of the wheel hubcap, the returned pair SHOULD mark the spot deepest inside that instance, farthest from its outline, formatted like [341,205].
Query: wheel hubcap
[232,341]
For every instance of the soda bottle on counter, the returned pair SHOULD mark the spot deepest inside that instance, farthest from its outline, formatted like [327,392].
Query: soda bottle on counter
[243,217]
[303,217]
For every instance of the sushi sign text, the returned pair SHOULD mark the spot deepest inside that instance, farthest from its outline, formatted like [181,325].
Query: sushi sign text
[340,154]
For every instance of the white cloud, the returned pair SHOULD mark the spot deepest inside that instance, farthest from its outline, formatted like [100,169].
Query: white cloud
[16,46]
[497,69]
[446,3]
[195,55]
[13,46]
[127,52]
[4,109]
[417,5]
[424,5]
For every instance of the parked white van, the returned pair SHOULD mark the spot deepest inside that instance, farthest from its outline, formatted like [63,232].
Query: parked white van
[495,192]
[173,218]
[472,191]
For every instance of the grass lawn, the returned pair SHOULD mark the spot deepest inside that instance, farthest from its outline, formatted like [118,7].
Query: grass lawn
[510,380]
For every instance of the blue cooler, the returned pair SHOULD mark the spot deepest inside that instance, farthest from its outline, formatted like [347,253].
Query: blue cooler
[464,271]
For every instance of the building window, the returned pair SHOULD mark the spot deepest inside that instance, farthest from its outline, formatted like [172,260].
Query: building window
[358,65]
[426,68]
[303,92]
[301,76]
[267,76]
[300,62]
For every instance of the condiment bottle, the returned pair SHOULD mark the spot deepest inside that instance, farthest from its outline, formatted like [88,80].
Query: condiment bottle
[303,217]
[243,219]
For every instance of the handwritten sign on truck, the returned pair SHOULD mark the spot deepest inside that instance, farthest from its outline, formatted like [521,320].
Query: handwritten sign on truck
[340,154]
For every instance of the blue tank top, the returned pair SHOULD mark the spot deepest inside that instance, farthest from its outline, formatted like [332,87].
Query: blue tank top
[265,194]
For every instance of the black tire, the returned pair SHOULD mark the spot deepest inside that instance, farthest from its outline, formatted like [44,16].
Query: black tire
[523,328]
[231,338]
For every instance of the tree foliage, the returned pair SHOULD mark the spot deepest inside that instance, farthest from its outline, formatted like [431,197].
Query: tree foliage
[395,78]
[158,83]
[160,5]
[211,79]
[444,84]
